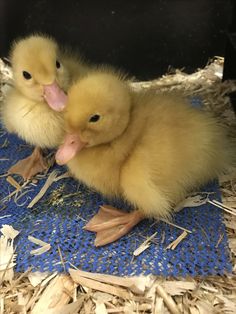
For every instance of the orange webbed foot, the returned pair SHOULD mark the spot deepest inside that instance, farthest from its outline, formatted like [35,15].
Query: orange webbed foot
[30,166]
[110,224]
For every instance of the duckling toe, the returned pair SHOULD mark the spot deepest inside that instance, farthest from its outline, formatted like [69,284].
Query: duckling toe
[110,224]
[30,166]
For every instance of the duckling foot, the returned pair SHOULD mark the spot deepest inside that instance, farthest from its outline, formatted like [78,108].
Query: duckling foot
[110,224]
[30,166]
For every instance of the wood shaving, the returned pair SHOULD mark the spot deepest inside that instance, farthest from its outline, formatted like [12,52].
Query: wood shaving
[9,232]
[100,308]
[15,192]
[145,245]
[174,225]
[73,307]
[96,285]
[44,246]
[41,250]
[168,300]
[50,180]
[7,254]
[227,209]
[37,277]
[54,296]
[228,306]
[13,182]
[178,287]
[37,241]
[175,243]
[135,284]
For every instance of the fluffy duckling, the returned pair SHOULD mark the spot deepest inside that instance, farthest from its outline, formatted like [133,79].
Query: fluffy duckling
[42,74]
[150,149]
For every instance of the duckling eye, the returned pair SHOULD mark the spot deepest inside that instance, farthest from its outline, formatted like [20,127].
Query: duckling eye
[26,75]
[94,118]
[58,65]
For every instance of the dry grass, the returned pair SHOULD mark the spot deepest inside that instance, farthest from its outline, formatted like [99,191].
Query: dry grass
[81,292]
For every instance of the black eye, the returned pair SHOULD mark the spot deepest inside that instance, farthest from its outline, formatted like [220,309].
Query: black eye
[94,118]
[58,65]
[27,75]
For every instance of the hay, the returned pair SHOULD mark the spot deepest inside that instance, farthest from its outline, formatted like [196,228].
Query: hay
[81,292]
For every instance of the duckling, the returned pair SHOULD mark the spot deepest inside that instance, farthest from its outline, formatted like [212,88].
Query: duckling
[149,149]
[42,74]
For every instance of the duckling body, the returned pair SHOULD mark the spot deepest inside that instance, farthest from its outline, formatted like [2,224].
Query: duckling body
[149,149]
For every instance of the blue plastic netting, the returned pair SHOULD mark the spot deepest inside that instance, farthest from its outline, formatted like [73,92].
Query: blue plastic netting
[58,218]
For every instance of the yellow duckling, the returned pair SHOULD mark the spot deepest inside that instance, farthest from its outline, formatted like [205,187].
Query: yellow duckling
[42,74]
[150,149]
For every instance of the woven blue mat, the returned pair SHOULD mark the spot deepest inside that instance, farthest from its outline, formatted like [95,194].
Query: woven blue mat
[58,218]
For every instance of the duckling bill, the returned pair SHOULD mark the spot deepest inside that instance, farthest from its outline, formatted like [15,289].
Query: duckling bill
[55,96]
[149,149]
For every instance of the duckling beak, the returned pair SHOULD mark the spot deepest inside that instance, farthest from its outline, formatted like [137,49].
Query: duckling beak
[71,146]
[55,96]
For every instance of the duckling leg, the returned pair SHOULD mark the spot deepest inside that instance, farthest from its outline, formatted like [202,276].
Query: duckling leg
[30,166]
[110,224]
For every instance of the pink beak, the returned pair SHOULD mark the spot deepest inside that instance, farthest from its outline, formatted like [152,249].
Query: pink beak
[55,96]
[71,146]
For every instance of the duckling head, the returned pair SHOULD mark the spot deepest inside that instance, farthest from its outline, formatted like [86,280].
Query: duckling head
[97,112]
[38,71]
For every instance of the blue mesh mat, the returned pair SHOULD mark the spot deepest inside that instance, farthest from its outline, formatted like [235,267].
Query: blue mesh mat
[58,218]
